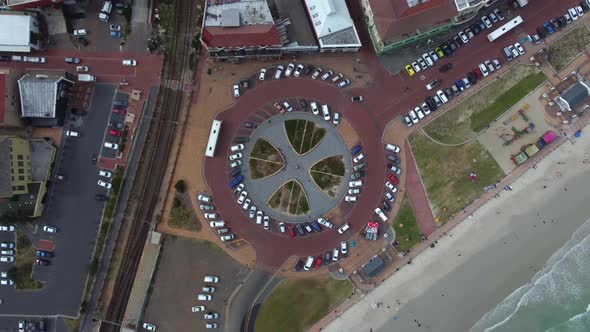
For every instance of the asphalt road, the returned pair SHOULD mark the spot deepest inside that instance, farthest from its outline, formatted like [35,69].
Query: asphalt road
[242,301]
[72,208]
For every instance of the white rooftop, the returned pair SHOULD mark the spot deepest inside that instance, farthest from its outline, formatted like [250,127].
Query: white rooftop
[15,33]
[232,13]
[332,22]
[464,4]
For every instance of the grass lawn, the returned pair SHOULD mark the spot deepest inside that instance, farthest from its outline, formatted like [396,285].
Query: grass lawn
[260,169]
[263,150]
[562,51]
[407,231]
[303,135]
[445,173]
[331,165]
[21,272]
[181,216]
[296,304]
[473,114]
[328,183]
[290,198]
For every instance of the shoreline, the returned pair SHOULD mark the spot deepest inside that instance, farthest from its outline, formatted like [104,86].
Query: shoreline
[460,247]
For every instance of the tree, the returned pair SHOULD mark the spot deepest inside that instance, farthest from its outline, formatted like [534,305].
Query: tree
[180,186]
[14,217]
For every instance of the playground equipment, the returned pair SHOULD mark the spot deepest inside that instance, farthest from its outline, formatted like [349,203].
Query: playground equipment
[518,113]
[510,138]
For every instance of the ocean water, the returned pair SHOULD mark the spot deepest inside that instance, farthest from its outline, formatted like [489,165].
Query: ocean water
[556,299]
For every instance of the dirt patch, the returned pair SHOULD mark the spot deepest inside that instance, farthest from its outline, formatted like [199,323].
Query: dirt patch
[182,214]
[264,150]
[260,169]
[332,165]
[330,184]
[290,199]
[562,51]
[304,135]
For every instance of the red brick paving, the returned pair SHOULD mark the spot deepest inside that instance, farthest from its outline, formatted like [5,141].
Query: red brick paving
[46,245]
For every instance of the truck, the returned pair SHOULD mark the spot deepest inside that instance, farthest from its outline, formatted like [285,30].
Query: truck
[86,78]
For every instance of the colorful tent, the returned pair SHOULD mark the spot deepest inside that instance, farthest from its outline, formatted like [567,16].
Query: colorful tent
[549,137]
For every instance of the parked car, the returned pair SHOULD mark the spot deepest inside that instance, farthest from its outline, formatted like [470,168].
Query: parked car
[80,32]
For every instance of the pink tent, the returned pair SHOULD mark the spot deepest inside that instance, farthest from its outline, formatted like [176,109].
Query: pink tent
[549,137]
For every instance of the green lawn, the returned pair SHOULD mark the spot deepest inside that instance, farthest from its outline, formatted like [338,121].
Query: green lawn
[473,114]
[407,231]
[303,135]
[296,304]
[290,198]
[445,173]
[562,51]
[331,165]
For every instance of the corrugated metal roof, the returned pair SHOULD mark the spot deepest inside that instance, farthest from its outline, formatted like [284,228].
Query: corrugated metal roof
[38,94]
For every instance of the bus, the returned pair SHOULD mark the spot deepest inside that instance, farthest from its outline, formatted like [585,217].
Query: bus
[213,136]
[513,23]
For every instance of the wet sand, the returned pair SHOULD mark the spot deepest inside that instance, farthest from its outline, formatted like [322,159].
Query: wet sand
[486,257]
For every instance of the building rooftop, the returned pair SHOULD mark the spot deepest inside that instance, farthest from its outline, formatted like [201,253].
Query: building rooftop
[396,19]
[15,33]
[374,266]
[42,153]
[3,97]
[38,95]
[5,167]
[573,96]
[464,4]
[331,22]
[235,13]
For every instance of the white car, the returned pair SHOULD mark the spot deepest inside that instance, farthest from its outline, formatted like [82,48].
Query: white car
[208,289]
[217,223]
[6,228]
[129,63]
[49,229]
[573,13]
[7,252]
[115,27]
[71,133]
[392,147]
[413,116]
[389,196]
[6,282]
[246,204]
[298,70]
[279,72]
[327,75]
[343,247]
[236,89]
[350,198]
[204,297]
[381,214]
[262,74]
[390,186]
[325,222]
[82,68]
[104,184]
[266,223]
[519,48]
[395,169]
[442,96]
[239,189]
[486,21]
[80,32]
[252,213]
[212,279]
[211,315]
[425,108]
[235,164]
[343,228]
[483,69]
[354,191]
[7,259]
[354,184]
[314,108]
[259,216]
[110,145]
[235,156]
[336,119]
[227,237]
[204,198]
[358,158]
[198,308]
[433,56]
[211,325]
[104,173]
[237,147]
[210,215]
[242,197]
[282,227]
[428,59]
[326,112]
[463,37]
[287,106]
[416,67]
[289,70]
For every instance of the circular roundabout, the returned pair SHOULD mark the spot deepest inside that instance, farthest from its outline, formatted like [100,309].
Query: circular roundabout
[295,167]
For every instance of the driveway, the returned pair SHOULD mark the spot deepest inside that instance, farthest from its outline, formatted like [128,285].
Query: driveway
[72,208]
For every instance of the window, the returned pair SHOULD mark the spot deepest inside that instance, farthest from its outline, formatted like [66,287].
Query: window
[21,164]
[20,157]
[315,15]
[21,171]
[21,187]
[21,177]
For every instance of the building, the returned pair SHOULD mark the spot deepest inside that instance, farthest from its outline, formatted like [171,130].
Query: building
[44,98]
[21,31]
[396,23]
[24,4]
[574,97]
[256,29]
[333,26]
[25,166]
[9,102]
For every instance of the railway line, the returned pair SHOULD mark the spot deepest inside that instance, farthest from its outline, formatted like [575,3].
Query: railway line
[147,184]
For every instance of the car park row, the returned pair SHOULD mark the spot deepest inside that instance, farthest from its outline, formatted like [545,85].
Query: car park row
[299,70]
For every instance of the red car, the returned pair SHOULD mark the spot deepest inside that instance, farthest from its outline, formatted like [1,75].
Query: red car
[278,107]
[291,230]
[118,110]
[393,179]
[478,73]
[318,262]
[114,132]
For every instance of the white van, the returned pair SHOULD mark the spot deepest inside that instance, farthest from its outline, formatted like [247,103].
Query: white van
[308,263]
[217,223]
[326,112]
[110,145]
[105,11]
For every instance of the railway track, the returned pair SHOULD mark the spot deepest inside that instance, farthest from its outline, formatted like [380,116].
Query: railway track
[154,159]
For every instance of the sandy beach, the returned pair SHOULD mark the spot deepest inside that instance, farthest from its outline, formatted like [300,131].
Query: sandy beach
[485,258]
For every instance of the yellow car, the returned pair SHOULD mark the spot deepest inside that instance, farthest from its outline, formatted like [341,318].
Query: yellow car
[410,70]
[440,52]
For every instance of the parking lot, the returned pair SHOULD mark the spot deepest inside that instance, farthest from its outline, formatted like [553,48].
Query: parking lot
[115,130]
[72,208]
[179,278]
